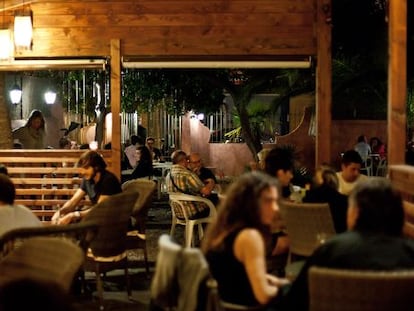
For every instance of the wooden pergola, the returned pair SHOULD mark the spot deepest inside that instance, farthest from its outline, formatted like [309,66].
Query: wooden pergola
[201,30]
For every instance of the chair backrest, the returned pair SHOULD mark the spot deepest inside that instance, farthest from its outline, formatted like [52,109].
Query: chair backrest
[340,290]
[178,200]
[179,273]
[112,216]
[49,259]
[382,168]
[146,189]
[81,233]
[304,222]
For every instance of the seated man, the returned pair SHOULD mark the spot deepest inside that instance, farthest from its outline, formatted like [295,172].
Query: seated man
[279,163]
[350,172]
[205,174]
[155,152]
[373,241]
[97,182]
[362,147]
[13,216]
[181,179]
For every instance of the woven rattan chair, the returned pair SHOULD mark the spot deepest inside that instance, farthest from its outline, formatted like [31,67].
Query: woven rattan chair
[45,259]
[176,204]
[304,223]
[136,238]
[343,290]
[107,250]
[81,233]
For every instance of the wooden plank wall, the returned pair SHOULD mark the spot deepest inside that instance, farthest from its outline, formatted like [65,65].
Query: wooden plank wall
[170,27]
[45,179]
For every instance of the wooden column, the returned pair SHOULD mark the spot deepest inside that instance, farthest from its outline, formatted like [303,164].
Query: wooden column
[323,83]
[116,105]
[397,81]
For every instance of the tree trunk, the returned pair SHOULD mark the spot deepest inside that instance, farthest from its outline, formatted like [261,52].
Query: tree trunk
[251,139]
[6,141]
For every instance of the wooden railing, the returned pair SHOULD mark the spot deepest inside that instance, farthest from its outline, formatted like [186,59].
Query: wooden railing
[45,179]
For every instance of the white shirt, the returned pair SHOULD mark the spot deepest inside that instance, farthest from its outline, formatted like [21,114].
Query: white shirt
[131,153]
[363,149]
[17,216]
[346,187]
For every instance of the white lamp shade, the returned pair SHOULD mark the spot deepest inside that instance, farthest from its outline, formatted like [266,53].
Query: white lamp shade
[50,97]
[23,31]
[15,95]
[6,44]
[93,145]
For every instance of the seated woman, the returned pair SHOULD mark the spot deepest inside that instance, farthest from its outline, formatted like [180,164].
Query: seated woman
[144,164]
[235,243]
[325,190]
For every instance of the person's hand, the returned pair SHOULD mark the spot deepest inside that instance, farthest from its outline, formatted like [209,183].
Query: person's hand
[67,219]
[275,281]
[55,218]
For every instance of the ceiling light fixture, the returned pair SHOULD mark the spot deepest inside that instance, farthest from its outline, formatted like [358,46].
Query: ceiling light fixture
[23,29]
[6,42]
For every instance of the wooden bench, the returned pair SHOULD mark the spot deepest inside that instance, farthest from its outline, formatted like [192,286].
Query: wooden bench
[45,179]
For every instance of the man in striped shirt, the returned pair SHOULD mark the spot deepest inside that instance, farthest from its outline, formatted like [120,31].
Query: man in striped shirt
[182,180]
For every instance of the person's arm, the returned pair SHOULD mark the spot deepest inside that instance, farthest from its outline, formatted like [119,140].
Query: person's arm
[73,202]
[66,213]
[249,249]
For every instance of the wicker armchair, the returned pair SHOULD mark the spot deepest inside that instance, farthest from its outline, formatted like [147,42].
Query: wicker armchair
[343,290]
[107,250]
[46,259]
[81,233]
[136,238]
[304,223]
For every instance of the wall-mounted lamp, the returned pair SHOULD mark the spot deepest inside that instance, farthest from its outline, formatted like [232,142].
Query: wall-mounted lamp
[23,31]
[50,97]
[15,94]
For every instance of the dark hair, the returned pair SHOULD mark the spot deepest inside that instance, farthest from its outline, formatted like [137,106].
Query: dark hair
[8,191]
[351,156]
[3,169]
[361,138]
[241,208]
[379,142]
[329,177]
[380,207]
[150,138]
[177,156]
[146,156]
[34,115]
[134,139]
[93,159]
[278,159]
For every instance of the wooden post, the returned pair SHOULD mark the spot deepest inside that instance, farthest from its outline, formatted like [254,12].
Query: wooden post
[116,106]
[323,83]
[397,81]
